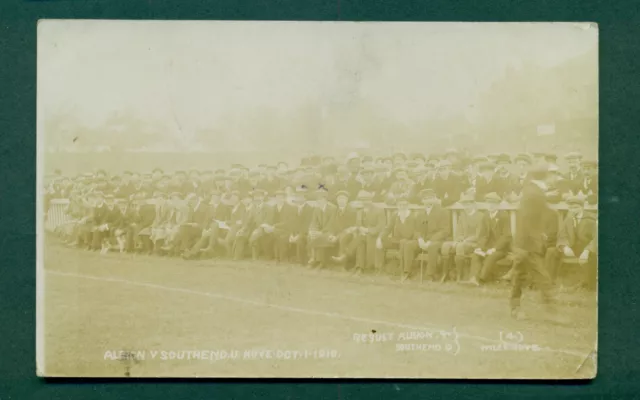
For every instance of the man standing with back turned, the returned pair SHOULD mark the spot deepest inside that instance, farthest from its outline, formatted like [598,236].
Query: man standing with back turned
[529,243]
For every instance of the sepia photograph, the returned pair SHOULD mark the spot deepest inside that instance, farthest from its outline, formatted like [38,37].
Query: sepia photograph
[282,199]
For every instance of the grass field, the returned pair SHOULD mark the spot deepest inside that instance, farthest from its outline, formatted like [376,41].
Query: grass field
[259,319]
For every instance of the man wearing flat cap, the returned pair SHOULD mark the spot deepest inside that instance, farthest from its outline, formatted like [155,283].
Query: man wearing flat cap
[257,228]
[111,222]
[447,185]
[142,220]
[370,221]
[238,210]
[284,216]
[123,229]
[99,215]
[434,225]
[363,182]
[402,231]
[217,215]
[506,181]
[321,229]
[126,188]
[191,228]
[486,182]
[464,243]
[163,215]
[300,222]
[344,227]
[402,186]
[574,177]
[575,238]
[399,159]
[494,239]
[523,162]
[424,180]
[206,184]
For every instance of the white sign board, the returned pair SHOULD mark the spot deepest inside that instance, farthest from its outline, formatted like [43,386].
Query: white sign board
[544,130]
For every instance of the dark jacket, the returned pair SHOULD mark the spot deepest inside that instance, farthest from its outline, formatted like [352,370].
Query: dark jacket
[531,222]
[580,236]
[323,220]
[495,232]
[436,225]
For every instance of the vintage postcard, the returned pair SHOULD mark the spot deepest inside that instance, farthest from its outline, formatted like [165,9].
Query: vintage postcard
[317,199]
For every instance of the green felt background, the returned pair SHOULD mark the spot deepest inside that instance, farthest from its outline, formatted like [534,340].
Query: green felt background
[619,23]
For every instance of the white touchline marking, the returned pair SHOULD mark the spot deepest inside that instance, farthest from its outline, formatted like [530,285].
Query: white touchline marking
[295,309]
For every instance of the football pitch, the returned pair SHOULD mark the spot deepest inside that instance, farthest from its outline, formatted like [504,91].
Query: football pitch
[142,316]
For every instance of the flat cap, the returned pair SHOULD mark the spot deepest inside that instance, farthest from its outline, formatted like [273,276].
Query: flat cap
[258,192]
[479,159]
[427,193]
[523,157]
[487,165]
[503,159]
[575,200]
[466,199]
[365,195]
[492,198]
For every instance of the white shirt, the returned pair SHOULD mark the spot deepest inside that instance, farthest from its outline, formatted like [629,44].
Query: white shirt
[403,215]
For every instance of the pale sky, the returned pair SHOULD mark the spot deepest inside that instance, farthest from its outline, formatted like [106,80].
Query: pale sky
[200,71]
